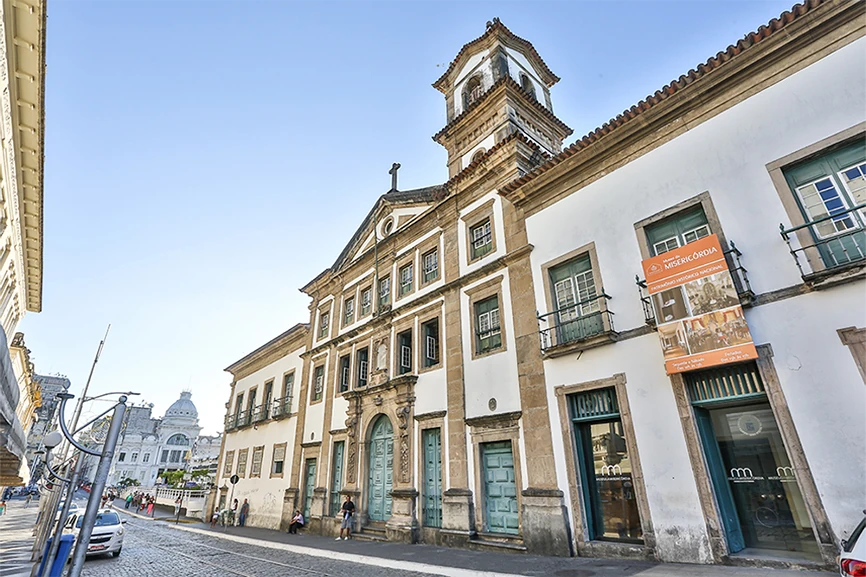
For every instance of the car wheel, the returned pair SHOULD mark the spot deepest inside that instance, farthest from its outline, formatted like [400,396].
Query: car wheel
[117,553]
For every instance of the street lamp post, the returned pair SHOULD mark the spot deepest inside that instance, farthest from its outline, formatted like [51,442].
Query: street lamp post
[98,482]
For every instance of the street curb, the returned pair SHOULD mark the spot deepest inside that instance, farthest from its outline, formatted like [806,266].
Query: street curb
[353,558]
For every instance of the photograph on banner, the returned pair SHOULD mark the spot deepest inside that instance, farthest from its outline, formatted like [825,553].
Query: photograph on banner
[700,321]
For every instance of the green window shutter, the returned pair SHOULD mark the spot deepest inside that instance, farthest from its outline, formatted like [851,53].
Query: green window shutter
[724,384]
[487,322]
[593,405]
[677,230]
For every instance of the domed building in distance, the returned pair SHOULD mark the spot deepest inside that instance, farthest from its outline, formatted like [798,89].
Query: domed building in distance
[148,447]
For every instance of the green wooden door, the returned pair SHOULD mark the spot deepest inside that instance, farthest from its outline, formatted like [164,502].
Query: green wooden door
[432,442]
[381,470]
[309,485]
[500,490]
[337,477]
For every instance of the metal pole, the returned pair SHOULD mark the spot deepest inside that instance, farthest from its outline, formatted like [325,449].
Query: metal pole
[42,532]
[64,513]
[231,498]
[98,487]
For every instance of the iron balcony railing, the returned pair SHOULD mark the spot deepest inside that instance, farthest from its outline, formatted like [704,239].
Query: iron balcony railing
[231,422]
[739,274]
[244,418]
[260,413]
[576,322]
[282,408]
[827,244]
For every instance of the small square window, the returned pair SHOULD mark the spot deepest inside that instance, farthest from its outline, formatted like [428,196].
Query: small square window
[430,331]
[349,311]
[385,291]
[406,274]
[324,324]
[431,265]
[488,335]
[481,237]
[366,301]
[319,383]
[404,342]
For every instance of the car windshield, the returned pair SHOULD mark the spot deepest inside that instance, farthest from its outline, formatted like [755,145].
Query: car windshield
[102,519]
[852,540]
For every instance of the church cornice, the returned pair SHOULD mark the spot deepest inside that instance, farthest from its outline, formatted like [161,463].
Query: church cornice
[797,38]
[496,30]
[495,89]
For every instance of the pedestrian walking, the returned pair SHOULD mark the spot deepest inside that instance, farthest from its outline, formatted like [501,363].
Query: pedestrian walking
[297,523]
[2,507]
[150,505]
[347,510]
[245,510]
[129,500]
[29,498]
[177,503]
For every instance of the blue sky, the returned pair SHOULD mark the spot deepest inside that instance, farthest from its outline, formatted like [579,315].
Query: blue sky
[204,160]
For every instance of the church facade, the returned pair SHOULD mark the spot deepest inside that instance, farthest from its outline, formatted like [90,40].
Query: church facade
[470,380]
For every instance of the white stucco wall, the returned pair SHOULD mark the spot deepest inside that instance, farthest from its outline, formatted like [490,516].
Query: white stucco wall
[726,156]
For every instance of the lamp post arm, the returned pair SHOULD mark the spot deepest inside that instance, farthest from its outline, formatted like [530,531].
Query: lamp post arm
[91,421]
[63,398]
[54,473]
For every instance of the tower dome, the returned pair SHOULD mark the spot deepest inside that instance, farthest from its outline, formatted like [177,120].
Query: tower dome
[183,407]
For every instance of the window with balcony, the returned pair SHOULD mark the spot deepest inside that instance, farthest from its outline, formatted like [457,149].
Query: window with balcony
[362,357]
[406,279]
[349,311]
[404,352]
[430,332]
[488,334]
[579,306]
[430,263]
[830,192]
[345,373]
[318,383]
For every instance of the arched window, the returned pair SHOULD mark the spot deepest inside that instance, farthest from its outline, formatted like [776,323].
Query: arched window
[527,85]
[478,154]
[472,90]
[178,439]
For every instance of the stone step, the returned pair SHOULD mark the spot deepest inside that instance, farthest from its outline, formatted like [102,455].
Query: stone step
[495,542]
[366,535]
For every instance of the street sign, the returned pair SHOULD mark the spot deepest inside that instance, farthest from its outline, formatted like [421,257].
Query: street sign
[234,479]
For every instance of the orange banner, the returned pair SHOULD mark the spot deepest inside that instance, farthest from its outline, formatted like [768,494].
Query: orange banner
[698,314]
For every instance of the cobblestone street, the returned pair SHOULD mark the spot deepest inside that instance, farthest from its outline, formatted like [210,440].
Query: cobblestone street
[156,549]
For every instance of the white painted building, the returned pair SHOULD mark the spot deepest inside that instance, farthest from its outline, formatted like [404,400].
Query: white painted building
[149,447]
[482,370]
[22,133]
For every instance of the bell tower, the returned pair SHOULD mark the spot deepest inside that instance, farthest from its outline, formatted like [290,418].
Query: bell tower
[496,86]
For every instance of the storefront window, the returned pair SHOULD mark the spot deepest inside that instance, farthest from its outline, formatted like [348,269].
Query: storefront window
[768,501]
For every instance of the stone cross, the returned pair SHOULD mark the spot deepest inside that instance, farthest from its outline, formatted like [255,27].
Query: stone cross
[393,172]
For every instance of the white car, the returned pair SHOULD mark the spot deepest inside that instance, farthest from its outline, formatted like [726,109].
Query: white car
[852,561]
[73,510]
[107,535]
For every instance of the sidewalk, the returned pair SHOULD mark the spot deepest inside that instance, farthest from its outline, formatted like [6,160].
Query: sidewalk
[428,558]
[16,538]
